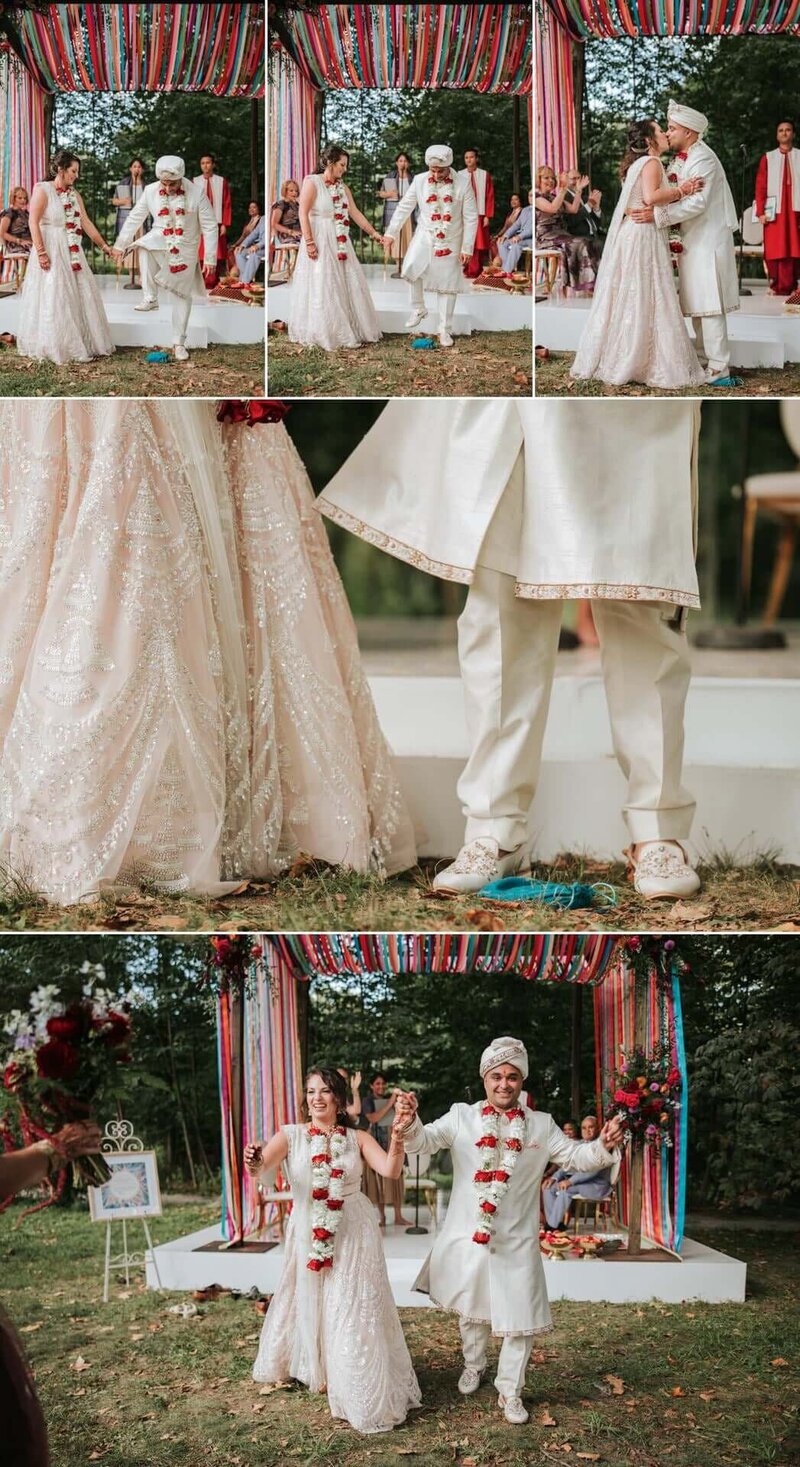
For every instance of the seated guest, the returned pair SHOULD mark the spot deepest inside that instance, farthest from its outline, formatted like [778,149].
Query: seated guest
[553,211]
[571,1130]
[284,219]
[251,254]
[559,1190]
[253,216]
[586,223]
[514,209]
[15,229]
[519,237]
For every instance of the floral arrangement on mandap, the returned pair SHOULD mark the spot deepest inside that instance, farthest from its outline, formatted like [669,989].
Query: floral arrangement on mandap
[61,1062]
[229,962]
[646,1096]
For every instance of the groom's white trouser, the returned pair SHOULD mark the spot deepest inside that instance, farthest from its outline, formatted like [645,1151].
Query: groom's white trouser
[507,649]
[712,344]
[447,304]
[149,263]
[515,1353]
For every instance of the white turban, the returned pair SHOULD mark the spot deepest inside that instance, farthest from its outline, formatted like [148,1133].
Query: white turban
[505,1051]
[687,117]
[172,165]
[439,155]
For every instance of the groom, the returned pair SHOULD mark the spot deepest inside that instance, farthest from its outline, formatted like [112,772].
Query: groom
[443,240]
[182,215]
[707,279]
[486,1265]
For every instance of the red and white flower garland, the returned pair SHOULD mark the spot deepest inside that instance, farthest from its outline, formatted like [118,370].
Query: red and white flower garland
[173,212]
[674,176]
[72,216]
[492,1182]
[327,1193]
[341,217]
[440,196]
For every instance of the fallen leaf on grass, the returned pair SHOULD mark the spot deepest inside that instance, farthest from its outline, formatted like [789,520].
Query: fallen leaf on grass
[677,1391]
[80,1364]
[95,1456]
[617,1385]
[168,924]
[28,1329]
[284,1385]
[484,921]
[546,1419]
[707,1395]
[779,1360]
[588,1456]
[692,911]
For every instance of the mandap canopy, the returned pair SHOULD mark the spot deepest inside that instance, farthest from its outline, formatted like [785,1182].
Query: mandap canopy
[259,1049]
[217,49]
[564,25]
[484,48]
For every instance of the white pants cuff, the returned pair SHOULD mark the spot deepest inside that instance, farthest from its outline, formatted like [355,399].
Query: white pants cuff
[515,1353]
[149,262]
[417,293]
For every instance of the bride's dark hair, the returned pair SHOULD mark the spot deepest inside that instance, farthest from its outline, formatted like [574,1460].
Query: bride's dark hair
[337,1087]
[640,136]
[62,159]
[332,153]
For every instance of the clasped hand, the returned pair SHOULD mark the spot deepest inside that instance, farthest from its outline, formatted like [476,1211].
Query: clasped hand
[405,1110]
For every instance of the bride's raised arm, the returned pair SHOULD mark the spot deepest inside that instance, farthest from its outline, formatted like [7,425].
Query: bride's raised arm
[656,192]
[261,1157]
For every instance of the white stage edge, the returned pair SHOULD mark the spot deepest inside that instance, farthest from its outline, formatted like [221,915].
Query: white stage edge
[212,322]
[476,310]
[702,1273]
[761,335]
[741,764]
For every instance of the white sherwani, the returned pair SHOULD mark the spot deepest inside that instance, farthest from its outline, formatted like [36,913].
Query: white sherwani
[443,273]
[501,1282]
[198,221]
[531,504]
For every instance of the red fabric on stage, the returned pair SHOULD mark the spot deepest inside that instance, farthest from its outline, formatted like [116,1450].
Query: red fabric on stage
[782,236]
[483,239]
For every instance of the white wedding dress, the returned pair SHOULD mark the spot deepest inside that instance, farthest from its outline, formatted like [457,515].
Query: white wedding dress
[339,1327]
[330,304]
[61,314]
[635,331]
[181,698]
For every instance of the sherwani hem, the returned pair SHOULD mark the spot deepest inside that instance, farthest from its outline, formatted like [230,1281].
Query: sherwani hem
[497,1334]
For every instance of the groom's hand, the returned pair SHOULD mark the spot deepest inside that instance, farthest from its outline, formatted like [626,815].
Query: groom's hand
[642,216]
[612,1133]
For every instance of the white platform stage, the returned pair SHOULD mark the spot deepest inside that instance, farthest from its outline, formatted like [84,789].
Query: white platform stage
[742,754]
[221,323]
[701,1273]
[476,310]
[761,335]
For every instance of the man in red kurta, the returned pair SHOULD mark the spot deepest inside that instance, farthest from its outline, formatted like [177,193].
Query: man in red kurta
[778,179]
[483,189]
[219,196]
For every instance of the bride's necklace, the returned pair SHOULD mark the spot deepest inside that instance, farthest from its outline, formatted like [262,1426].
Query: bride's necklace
[72,220]
[173,212]
[341,214]
[327,1192]
[498,1157]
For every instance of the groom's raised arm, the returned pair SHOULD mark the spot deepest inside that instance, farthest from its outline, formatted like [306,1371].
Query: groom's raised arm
[436,1136]
[666,214]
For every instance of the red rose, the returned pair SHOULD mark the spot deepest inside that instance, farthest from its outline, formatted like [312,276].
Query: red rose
[483,1176]
[621,1097]
[327,1263]
[315,1264]
[674,1077]
[481,1237]
[162,213]
[488,1207]
[490,1141]
[336,1171]
[66,1027]
[432,199]
[448,198]
[448,217]
[334,1204]
[57,1060]
[115,1029]
[501,1176]
[13,1074]
[515,1114]
[321,1234]
[513,1144]
[319,1159]
[75,267]
[319,1194]
[179,231]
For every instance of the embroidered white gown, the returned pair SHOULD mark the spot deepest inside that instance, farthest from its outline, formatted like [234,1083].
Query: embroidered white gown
[338,1327]
[61,315]
[162,713]
[635,331]
[330,303]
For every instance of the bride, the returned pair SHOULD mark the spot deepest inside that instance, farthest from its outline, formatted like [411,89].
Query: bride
[635,331]
[181,695]
[330,302]
[333,1323]
[61,310]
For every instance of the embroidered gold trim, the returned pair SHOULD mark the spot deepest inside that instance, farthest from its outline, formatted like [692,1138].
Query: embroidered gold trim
[394,547]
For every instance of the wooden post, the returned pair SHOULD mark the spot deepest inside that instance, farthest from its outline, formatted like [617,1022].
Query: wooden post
[578,84]
[637,1157]
[302,1020]
[575,1057]
[256,144]
[319,108]
[516,146]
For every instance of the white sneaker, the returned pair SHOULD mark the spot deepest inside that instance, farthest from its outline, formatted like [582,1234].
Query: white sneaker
[478,862]
[445,339]
[661,870]
[147,305]
[418,314]
[513,1410]
[469,1380]
[181,354]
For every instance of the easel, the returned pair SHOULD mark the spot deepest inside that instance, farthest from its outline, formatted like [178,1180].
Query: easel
[118,1137]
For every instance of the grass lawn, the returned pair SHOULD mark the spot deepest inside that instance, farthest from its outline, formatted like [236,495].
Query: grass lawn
[321,899]
[656,1385]
[553,380]
[218,371]
[486,364]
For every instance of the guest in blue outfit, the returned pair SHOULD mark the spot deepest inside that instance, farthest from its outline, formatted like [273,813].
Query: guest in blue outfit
[252,253]
[519,237]
[559,1190]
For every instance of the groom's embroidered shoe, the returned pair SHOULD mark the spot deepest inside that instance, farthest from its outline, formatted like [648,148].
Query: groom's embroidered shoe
[418,314]
[477,863]
[445,339]
[513,1410]
[181,354]
[469,1380]
[148,304]
[660,870]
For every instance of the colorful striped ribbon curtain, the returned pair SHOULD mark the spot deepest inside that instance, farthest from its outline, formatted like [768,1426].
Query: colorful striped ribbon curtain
[258,1054]
[543,956]
[664,1186]
[149,48]
[23,135]
[582,18]
[291,131]
[556,141]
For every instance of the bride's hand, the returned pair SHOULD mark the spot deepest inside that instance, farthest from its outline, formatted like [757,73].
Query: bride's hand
[313,252]
[44,259]
[691,186]
[252,1159]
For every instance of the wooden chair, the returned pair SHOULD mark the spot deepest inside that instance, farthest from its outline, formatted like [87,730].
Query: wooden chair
[272,1196]
[752,244]
[603,1208]
[777,496]
[284,258]
[549,269]
[13,264]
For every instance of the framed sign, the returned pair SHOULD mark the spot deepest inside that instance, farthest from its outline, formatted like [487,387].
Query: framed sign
[132,1191]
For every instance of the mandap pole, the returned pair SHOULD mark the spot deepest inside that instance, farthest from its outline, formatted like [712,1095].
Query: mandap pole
[255,144]
[516,147]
